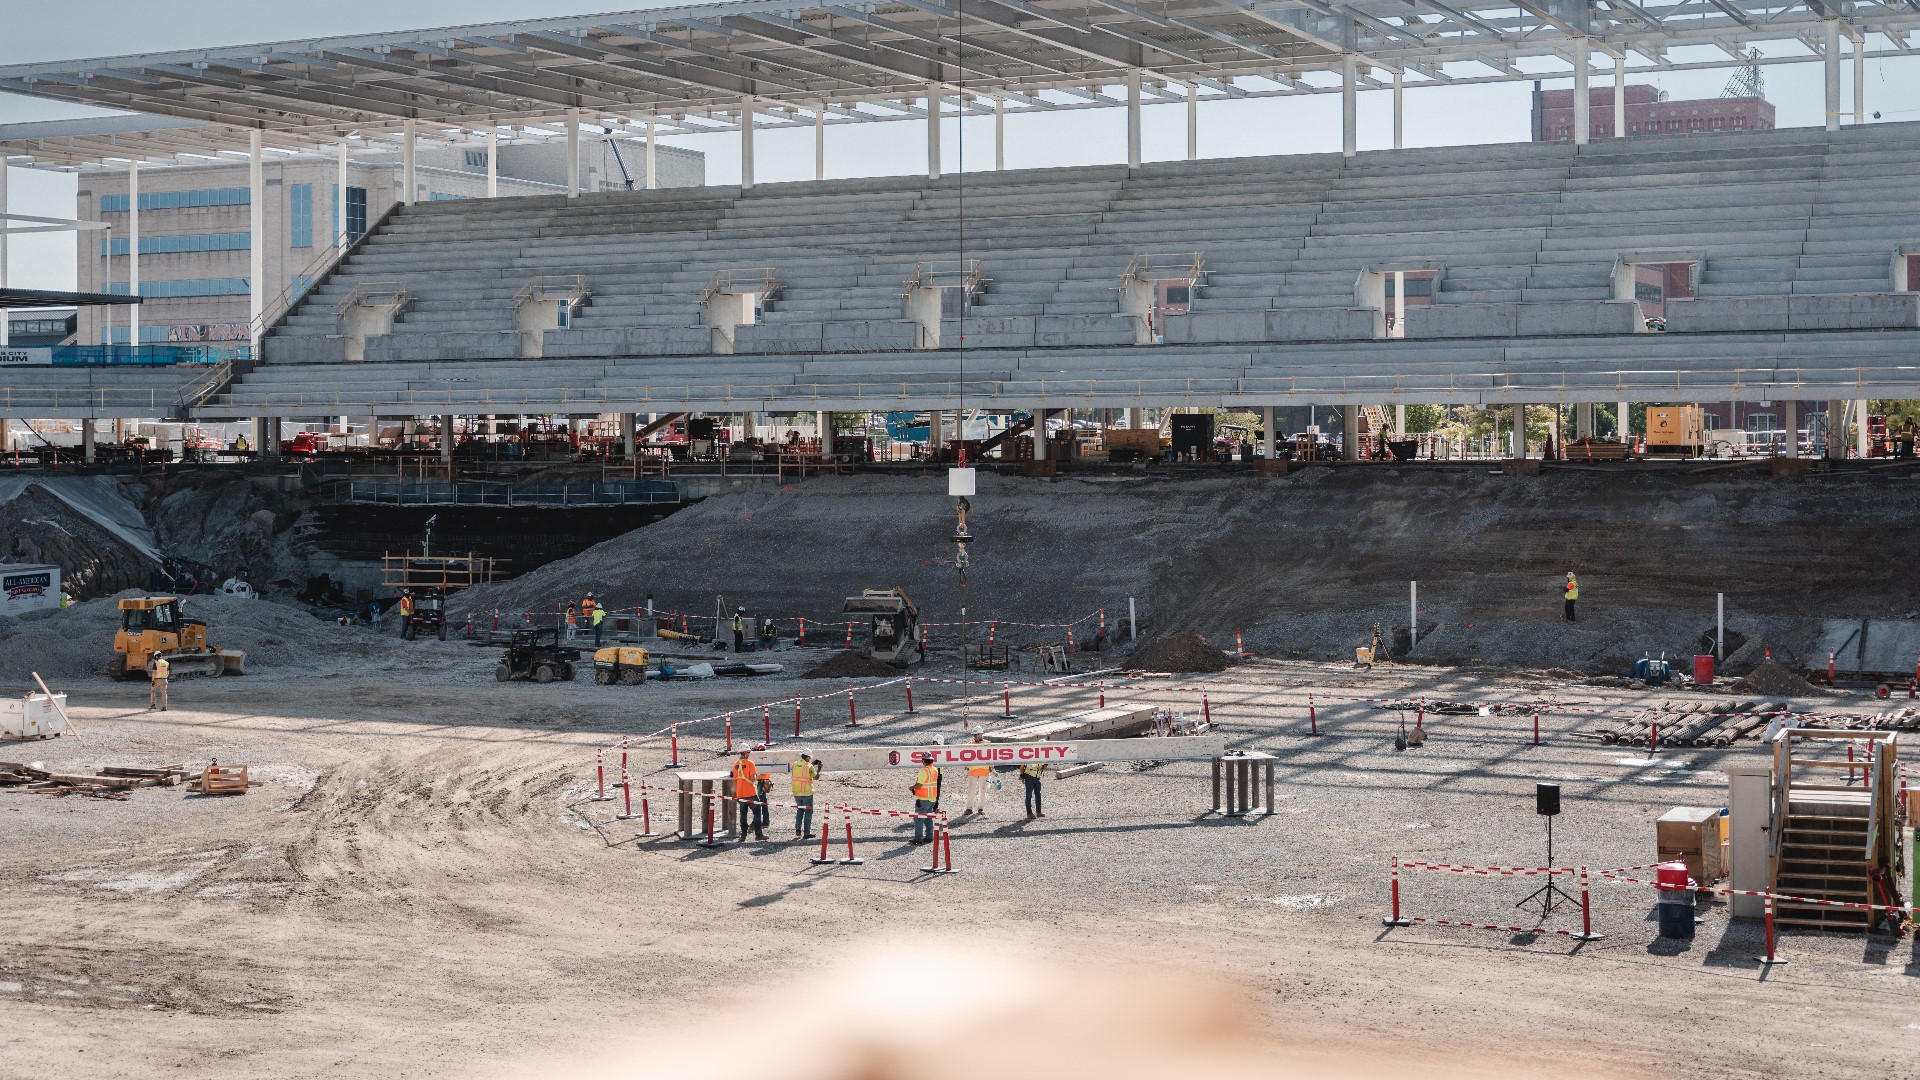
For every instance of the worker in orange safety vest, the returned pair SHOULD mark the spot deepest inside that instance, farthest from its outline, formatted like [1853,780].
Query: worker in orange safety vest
[746,791]
[926,799]
[977,779]
[1572,594]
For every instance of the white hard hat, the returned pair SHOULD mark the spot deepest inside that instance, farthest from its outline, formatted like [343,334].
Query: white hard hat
[978,730]
[807,752]
[939,740]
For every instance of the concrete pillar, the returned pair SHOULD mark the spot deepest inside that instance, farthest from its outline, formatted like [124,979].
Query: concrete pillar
[1133,119]
[1349,109]
[936,425]
[1830,37]
[1583,427]
[1350,432]
[1519,433]
[820,141]
[446,438]
[493,163]
[1836,429]
[1193,122]
[1135,419]
[1582,91]
[1859,81]
[1620,95]
[407,172]
[86,440]
[653,159]
[573,153]
[1860,429]
[1039,433]
[340,198]
[1400,421]
[629,432]
[823,423]
[933,131]
[746,142]
[1792,433]
[133,250]
[1623,420]
[1399,114]
[257,235]
[999,134]
[1269,438]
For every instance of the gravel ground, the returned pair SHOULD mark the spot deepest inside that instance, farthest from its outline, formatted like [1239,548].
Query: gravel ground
[424,885]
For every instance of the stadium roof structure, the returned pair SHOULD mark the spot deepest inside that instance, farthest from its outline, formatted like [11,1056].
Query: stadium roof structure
[701,68]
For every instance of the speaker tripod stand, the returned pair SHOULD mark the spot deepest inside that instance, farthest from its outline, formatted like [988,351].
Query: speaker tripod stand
[1549,896]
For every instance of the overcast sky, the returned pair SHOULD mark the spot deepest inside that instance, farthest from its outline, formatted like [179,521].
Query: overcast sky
[1434,117]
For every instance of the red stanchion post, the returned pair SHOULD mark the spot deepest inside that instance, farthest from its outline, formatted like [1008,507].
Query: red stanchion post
[1536,727]
[626,792]
[1239,646]
[853,713]
[1420,714]
[496,618]
[1653,737]
[802,641]
[1206,708]
[1006,697]
[909,695]
[623,757]
[600,774]
[766,715]
[673,740]
[1313,717]
[826,832]
[849,637]
[796,718]
[1829,667]
[851,859]
[1103,693]
[1394,879]
[729,733]
[646,816]
[1586,909]
[469,624]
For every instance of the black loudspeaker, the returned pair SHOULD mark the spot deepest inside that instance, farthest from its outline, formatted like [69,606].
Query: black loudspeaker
[1546,799]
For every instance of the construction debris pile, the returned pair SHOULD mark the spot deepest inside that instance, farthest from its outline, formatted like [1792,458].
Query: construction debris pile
[111,782]
[1692,724]
[1771,678]
[1184,653]
[1457,708]
[851,665]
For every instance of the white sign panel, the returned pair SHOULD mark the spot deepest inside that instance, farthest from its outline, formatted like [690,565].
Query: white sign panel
[10,357]
[28,588]
[962,754]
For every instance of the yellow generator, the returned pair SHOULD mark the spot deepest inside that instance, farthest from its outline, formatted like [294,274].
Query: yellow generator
[151,627]
[620,664]
[1676,430]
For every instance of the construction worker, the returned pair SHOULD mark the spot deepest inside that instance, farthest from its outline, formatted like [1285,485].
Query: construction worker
[746,790]
[159,671]
[926,799]
[740,629]
[804,771]
[572,619]
[405,607]
[596,614]
[1573,595]
[1030,774]
[977,776]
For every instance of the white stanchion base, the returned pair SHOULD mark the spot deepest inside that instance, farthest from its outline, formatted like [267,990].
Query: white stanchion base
[850,862]
[1766,962]
[1396,922]
[934,870]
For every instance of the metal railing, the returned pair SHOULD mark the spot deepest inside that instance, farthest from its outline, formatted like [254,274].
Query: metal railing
[1166,266]
[393,492]
[371,293]
[764,282]
[944,273]
[570,289]
[141,355]
[311,275]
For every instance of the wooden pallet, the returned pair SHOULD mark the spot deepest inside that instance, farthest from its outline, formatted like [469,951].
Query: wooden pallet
[222,780]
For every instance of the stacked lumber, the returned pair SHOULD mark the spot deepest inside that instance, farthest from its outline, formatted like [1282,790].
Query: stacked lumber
[1722,725]
[111,782]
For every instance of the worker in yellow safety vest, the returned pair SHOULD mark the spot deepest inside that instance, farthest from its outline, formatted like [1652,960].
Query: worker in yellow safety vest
[160,671]
[596,614]
[977,777]
[1573,594]
[926,799]
[746,791]
[740,629]
[1030,774]
[804,771]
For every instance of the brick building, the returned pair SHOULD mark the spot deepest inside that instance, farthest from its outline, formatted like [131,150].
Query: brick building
[1648,113]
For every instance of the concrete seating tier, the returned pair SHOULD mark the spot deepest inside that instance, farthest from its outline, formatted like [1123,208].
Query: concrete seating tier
[107,391]
[1795,230]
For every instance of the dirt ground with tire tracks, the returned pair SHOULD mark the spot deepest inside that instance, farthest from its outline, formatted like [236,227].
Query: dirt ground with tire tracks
[422,883]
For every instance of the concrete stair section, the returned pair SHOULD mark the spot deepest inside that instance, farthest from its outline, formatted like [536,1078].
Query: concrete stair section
[1823,857]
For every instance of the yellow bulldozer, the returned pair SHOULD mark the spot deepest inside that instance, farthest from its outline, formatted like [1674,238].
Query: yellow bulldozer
[152,627]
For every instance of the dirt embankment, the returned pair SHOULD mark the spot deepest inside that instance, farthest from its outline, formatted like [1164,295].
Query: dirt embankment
[1304,565]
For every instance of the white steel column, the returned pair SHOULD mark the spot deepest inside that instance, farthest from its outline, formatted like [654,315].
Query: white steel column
[936,429]
[1269,439]
[1400,420]
[573,153]
[1582,91]
[1623,420]
[133,250]
[493,163]
[1620,95]
[4,328]
[746,142]
[1830,38]
[1859,81]
[1519,431]
[1399,115]
[999,134]
[406,163]
[340,199]
[820,141]
[1349,112]
[1133,119]
[1860,429]
[1793,428]
[1350,432]
[257,235]
[1193,121]
[1399,303]
[1040,432]
[653,164]
[933,131]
